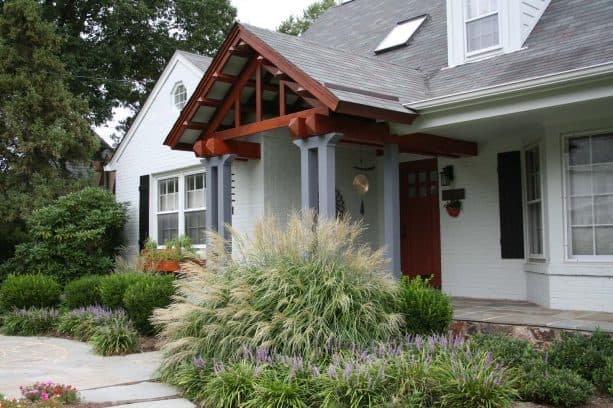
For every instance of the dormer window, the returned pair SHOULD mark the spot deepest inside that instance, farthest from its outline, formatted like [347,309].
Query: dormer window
[482,25]
[179,95]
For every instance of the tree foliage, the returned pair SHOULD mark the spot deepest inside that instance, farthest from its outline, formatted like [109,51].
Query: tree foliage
[297,25]
[44,134]
[116,49]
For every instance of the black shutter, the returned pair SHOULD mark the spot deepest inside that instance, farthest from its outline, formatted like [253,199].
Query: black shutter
[143,211]
[511,205]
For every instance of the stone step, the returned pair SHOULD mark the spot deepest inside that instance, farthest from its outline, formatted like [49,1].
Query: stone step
[123,394]
[170,403]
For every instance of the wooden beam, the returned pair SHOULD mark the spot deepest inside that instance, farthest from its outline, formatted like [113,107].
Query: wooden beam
[276,72]
[215,147]
[230,79]
[234,94]
[354,130]
[235,51]
[195,125]
[282,99]
[258,93]
[209,102]
[423,143]
[237,112]
[264,125]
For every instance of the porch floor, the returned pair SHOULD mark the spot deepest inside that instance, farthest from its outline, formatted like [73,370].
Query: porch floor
[529,314]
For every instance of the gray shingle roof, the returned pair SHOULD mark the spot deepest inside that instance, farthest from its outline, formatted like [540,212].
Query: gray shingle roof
[342,72]
[200,61]
[571,34]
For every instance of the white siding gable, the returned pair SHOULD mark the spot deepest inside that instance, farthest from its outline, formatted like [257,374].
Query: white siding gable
[531,12]
[142,152]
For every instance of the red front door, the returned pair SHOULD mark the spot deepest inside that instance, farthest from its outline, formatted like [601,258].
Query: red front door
[420,220]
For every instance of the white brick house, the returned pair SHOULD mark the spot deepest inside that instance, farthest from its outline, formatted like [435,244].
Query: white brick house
[516,101]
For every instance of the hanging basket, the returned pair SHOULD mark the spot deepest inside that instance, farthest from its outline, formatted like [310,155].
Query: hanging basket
[453,212]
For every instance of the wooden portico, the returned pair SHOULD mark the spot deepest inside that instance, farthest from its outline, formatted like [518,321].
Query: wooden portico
[251,88]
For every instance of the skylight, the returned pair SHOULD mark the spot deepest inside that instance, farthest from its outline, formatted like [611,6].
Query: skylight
[401,34]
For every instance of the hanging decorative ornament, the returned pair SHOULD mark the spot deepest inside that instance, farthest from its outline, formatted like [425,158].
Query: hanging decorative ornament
[361,186]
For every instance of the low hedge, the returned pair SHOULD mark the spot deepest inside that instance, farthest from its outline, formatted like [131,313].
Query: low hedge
[426,309]
[145,295]
[83,292]
[28,291]
[113,287]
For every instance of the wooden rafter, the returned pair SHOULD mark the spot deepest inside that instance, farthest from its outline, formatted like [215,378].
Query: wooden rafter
[230,79]
[216,147]
[258,92]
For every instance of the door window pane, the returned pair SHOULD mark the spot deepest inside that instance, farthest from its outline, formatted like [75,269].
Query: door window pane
[195,226]
[168,227]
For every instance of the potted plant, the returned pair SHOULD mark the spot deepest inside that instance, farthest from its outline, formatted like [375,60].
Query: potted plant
[453,207]
[169,258]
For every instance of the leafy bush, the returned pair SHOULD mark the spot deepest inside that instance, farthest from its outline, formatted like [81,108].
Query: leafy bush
[554,386]
[83,292]
[142,297]
[29,322]
[178,249]
[112,288]
[603,377]
[115,338]
[427,309]
[78,234]
[82,323]
[28,291]
[512,352]
[293,290]
[585,355]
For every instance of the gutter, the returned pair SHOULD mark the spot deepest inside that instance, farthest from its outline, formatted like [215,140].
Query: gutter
[509,89]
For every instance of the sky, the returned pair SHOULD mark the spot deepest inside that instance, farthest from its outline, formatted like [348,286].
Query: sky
[262,13]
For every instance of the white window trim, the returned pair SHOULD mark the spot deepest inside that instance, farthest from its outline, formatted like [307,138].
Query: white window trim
[530,256]
[587,259]
[483,52]
[154,198]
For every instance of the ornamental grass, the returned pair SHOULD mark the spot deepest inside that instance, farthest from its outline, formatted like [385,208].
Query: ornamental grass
[291,289]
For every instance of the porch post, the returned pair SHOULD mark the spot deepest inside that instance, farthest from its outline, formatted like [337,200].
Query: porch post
[391,206]
[219,193]
[318,173]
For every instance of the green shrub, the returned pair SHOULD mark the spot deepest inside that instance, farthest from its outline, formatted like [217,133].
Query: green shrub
[82,323]
[274,388]
[512,352]
[473,379]
[28,291]
[29,322]
[78,234]
[603,377]
[142,297]
[83,292]
[426,309]
[554,386]
[112,288]
[293,290]
[114,339]
[585,355]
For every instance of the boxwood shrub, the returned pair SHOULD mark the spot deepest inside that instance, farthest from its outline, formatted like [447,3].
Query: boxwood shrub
[113,287]
[27,291]
[427,310]
[145,295]
[83,292]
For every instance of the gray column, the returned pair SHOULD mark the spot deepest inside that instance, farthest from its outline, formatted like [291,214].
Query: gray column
[219,193]
[318,173]
[391,206]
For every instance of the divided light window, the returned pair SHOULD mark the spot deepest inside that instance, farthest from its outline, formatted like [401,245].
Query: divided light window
[401,34]
[181,208]
[534,201]
[482,25]
[589,195]
[180,96]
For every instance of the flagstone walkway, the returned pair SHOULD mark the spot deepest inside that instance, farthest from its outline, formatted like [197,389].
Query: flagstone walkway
[118,380]
[528,314]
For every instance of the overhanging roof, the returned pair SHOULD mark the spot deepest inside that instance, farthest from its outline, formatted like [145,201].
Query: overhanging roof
[315,77]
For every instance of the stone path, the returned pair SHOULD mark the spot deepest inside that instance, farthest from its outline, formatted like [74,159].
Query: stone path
[529,314]
[124,380]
